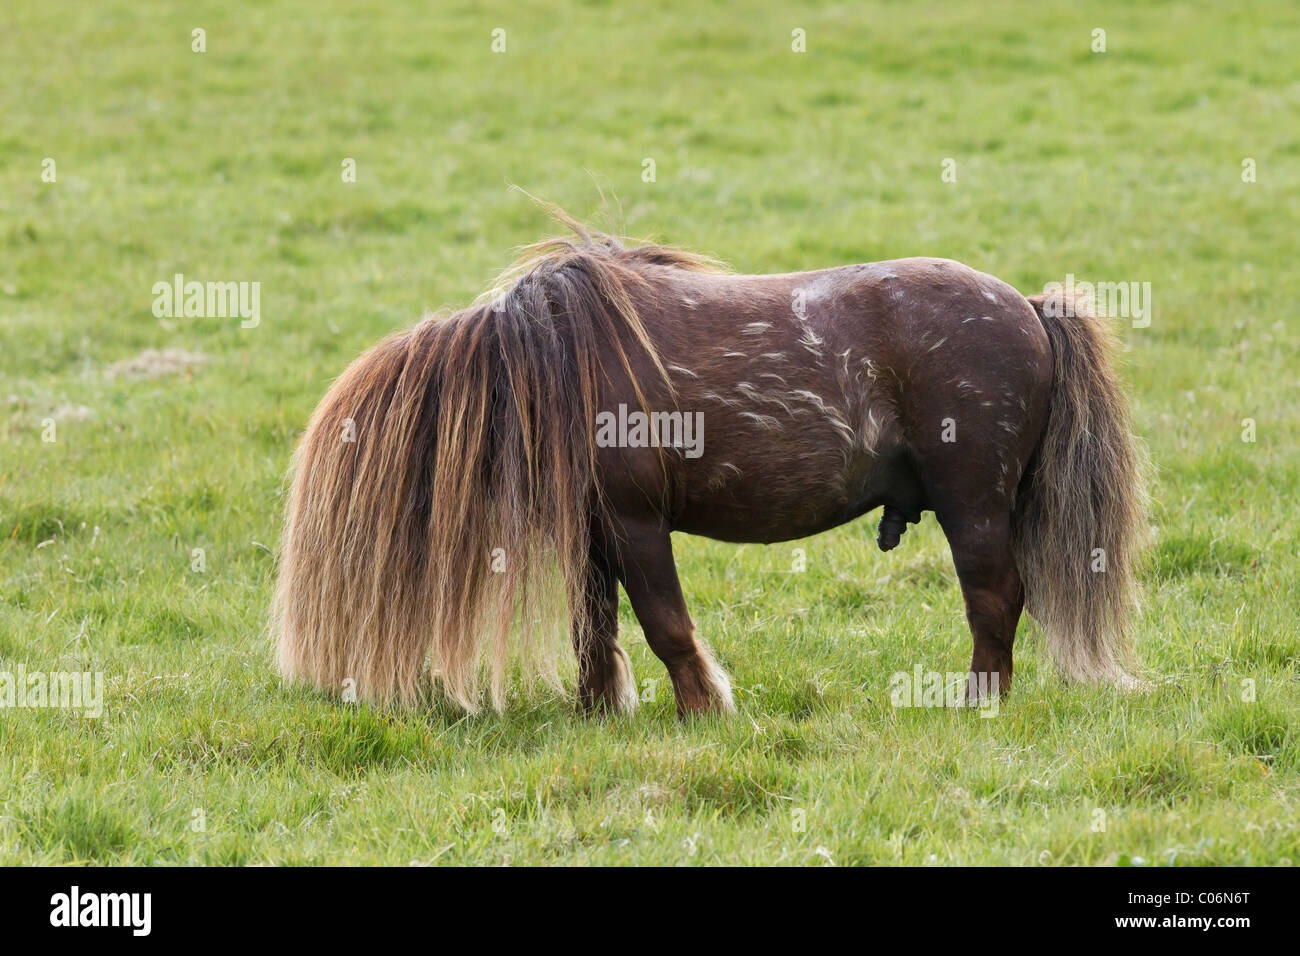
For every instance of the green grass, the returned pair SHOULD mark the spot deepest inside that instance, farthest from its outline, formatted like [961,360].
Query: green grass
[226,166]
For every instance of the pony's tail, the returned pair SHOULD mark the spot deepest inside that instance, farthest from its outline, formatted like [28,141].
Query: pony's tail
[442,494]
[1079,523]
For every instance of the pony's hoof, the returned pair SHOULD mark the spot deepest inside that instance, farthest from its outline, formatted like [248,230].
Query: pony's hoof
[617,694]
[703,688]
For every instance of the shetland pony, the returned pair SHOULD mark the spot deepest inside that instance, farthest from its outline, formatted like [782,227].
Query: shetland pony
[460,486]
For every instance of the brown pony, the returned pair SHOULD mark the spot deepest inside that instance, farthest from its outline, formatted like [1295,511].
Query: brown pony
[477,476]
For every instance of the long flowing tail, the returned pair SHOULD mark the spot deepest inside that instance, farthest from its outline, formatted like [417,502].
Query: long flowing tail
[1079,524]
[442,495]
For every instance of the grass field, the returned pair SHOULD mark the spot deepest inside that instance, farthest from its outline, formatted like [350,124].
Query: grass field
[227,165]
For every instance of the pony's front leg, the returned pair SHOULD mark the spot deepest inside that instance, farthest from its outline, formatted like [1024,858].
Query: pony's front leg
[649,576]
[604,671]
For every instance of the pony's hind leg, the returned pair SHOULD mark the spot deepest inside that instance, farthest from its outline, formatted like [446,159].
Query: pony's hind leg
[649,576]
[604,671]
[991,588]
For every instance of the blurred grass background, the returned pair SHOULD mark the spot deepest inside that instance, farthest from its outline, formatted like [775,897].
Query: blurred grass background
[1118,166]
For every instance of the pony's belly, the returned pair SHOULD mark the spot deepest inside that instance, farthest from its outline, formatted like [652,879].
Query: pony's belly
[746,527]
[781,502]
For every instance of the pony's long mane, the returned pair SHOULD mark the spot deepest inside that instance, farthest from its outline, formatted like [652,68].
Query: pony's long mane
[442,496]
